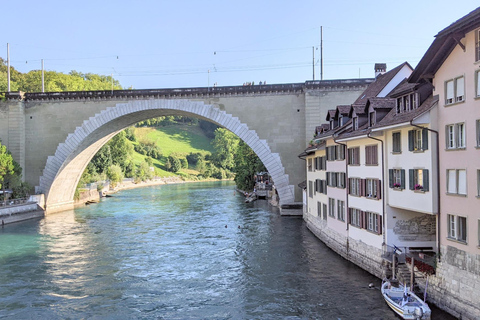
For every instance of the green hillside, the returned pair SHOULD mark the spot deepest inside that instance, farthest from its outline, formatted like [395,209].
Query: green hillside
[179,139]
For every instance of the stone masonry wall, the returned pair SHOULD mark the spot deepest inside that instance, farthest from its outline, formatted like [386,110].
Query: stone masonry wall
[455,287]
[363,255]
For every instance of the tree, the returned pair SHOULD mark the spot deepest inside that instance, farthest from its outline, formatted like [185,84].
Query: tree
[115,175]
[102,160]
[247,164]
[6,166]
[173,163]
[225,144]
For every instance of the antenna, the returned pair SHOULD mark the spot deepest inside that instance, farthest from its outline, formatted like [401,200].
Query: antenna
[321,52]
[43,77]
[8,67]
[313,62]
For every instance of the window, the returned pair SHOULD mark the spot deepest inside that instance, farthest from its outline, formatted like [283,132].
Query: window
[355,123]
[371,117]
[371,155]
[321,186]
[372,187]
[324,211]
[399,105]
[331,124]
[397,178]
[373,222]
[478,133]
[418,179]
[478,183]
[356,217]
[455,136]
[477,83]
[310,189]
[354,156]
[331,207]
[414,101]
[319,209]
[332,179]
[478,232]
[341,180]
[457,227]
[340,120]
[320,163]
[331,153]
[455,90]
[355,187]
[418,139]
[341,210]
[396,142]
[340,152]
[477,45]
[457,181]
[310,168]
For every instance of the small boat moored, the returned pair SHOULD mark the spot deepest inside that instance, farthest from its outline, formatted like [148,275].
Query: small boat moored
[404,302]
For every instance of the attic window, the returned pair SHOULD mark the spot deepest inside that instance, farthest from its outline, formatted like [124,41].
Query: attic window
[355,123]
[340,120]
[372,118]
[331,124]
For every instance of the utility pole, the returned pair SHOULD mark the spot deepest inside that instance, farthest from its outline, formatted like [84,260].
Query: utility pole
[8,67]
[313,64]
[43,77]
[321,52]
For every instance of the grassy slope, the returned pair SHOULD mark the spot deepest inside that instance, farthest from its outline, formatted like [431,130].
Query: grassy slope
[181,139]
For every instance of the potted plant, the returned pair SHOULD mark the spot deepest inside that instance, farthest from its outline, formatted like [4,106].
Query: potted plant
[418,187]
[397,185]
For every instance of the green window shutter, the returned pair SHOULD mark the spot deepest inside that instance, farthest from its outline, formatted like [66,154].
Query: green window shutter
[425,180]
[424,139]
[402,183]
[411,183]
[390,176]
[410,140]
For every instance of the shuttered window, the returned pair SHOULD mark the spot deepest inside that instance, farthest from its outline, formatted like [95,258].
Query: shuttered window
[354,156]
[396,142]
[371,155]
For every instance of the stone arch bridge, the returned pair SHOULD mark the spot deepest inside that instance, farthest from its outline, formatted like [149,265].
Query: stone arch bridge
[54,135]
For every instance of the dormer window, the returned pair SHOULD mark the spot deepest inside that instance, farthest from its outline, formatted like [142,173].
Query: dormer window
[331,124]
[414,101]
[340,121]
[372,118]
[399,105]
[355,123]
[407,103]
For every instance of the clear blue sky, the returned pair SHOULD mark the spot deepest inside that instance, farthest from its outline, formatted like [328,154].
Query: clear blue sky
[169,44]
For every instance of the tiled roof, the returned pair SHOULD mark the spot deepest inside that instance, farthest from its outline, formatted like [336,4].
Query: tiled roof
[402,88]
[359,110]
[381,103]
[396,118]
[377,86]
[443,45]
[363,130]
[343,109]
[330,114]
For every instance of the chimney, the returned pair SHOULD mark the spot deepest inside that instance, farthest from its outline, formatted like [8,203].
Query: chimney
[380,68]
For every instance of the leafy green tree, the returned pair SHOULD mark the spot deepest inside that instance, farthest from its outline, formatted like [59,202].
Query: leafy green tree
[143,172]
[173,163]
[115,175]
[102,160]
[121,149]
[247,164]
[225,144]
[6,166]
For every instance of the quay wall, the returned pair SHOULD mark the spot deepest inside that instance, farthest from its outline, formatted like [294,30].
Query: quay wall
[455,288]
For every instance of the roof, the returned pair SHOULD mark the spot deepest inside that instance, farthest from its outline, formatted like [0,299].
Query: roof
[445,41]
[330,114]
[403,88]
[380,103]
[343,109]
[303,184]
[322,128]
[393,117]
[359,110]
[380,82]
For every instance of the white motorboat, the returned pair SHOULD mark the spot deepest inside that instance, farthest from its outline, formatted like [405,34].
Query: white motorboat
[404,302]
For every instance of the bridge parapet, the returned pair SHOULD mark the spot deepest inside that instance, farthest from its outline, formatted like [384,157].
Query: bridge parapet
[198,92]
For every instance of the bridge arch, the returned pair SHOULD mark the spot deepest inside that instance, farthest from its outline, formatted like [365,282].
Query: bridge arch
[64,169]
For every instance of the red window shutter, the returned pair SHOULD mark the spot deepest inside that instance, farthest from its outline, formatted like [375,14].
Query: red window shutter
[379,189]
[379,219]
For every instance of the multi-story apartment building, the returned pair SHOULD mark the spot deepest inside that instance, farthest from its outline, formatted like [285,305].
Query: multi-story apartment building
[452,66]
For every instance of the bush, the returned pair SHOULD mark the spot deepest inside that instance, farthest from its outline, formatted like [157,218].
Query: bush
[173,163]
[115,175]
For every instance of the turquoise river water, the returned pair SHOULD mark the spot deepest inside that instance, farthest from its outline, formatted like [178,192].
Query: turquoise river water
[184,251]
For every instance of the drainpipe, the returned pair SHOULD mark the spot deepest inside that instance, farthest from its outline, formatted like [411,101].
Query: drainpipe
[438,182]
[383,186]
